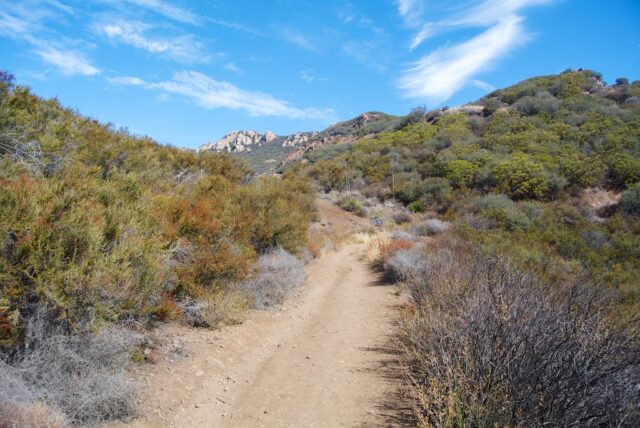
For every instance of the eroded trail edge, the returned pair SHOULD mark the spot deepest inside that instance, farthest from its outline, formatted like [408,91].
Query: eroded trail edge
[322,359]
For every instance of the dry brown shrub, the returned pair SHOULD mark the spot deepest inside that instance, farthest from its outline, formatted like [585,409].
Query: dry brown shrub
[226,308]
[491,345]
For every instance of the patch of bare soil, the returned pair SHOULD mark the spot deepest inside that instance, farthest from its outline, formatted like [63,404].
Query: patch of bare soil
[599,198]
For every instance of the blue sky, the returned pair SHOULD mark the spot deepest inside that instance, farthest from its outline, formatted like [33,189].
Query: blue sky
[187,72]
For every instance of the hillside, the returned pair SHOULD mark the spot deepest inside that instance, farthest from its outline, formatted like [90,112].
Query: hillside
[269,152]
[520,165]
[513,226]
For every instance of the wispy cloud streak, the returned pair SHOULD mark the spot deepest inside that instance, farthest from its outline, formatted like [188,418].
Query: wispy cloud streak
[484,14]
[20,23]
[167,10]
[212,94]
[439,74]
[183,48]
[67,61]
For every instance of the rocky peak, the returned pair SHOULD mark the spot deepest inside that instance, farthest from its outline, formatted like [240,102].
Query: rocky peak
[246,141]
[364,118]
[239,141]
[269,137]
[298,139]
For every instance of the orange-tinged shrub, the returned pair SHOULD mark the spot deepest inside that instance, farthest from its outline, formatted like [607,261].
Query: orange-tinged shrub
[388,249]
[106,226]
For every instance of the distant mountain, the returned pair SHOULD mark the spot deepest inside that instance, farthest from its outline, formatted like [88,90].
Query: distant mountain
[247,141]
[266,152]
[239,141]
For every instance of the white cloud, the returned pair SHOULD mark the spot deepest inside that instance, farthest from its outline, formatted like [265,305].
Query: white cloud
[410,11]
[425,32]
[20,23]
[12,26]
[167,10]
[61,7]
[127,80]
[483,14]
[67,61]
[440,74]
[183,48]
[236,26]
[211,94]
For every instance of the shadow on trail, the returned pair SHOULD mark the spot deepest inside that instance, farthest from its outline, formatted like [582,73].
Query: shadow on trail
[394,409]
[383,278]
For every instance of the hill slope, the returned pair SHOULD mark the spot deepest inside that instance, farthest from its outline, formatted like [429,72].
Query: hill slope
[525,166]
[268,152]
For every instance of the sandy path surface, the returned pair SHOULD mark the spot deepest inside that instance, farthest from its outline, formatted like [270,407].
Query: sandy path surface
[322,359]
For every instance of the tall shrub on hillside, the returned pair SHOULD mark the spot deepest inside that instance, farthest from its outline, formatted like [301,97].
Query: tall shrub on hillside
[522,178]
[102,225]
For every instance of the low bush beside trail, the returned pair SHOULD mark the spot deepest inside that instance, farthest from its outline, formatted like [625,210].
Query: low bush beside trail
[490,344]
[278,273]
[61,378]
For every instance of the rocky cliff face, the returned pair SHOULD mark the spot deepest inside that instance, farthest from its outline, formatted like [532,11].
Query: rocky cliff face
[246,141]
[298,139]
[239,141]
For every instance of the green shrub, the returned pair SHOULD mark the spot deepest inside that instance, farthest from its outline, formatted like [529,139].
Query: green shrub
[436,189]
[105,226]
[407,187]
[352,204]
[460,172]
[630,200]
[522,178]
[624,170]
[542,102]
[502,209]
[584,173]
[416,207]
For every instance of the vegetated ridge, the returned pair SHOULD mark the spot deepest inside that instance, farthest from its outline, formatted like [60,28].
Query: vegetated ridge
[269,152]
[531,163]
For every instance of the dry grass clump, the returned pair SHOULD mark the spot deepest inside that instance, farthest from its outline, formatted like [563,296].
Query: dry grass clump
[277,275]
[59,378]
[490,345]
[376,242]
[216,310]
[396,254]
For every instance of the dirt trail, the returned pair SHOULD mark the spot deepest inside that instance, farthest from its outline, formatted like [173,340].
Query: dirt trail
[319,360]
